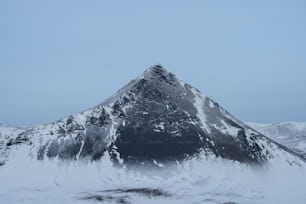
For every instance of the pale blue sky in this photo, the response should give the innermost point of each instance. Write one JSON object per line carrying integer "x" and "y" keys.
{"x": 59, "y": 57}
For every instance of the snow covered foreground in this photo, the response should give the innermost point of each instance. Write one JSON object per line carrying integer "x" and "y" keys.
{"x": 198, "y": 180}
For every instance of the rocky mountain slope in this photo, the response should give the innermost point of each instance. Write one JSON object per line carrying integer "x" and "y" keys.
{"x": 291, "y": 134}
{"x": 154, "y": 118}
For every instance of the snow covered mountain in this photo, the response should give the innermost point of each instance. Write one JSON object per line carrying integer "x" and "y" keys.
{"x": 154, "y": 118}
{"x": 291, "y": 134}
{"x": 7, "y": 135}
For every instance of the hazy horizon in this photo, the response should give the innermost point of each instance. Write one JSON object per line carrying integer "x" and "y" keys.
{"x": 58, "y": 58}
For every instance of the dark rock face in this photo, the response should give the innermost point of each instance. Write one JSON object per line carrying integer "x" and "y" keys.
{"x": 143, "y": 143}
{"x": 162, "y": 122}
{"x": 154, "y": 117}
{"x": 163, "y": 125}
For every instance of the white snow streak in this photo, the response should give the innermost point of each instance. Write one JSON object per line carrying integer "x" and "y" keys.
{"x": 199, "y": 105}
{"x": 114, "y": 124}
{"x": 81, "y": 149}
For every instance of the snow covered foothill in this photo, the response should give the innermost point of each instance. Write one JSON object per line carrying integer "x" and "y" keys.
{"x": 291, "y": 134}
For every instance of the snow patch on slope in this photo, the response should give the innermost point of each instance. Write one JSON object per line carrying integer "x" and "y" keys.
{"x": 230, "y": 130}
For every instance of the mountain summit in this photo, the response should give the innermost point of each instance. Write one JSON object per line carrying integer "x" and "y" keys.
{"x": 155, "y": 117}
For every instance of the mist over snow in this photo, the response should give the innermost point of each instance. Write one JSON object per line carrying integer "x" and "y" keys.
{"x": 198, "y": 180}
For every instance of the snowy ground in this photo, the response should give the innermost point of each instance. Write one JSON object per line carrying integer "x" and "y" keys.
{"x": 199, "y": 180}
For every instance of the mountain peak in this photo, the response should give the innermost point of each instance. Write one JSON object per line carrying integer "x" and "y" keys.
{"x": 156, "y": 70}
